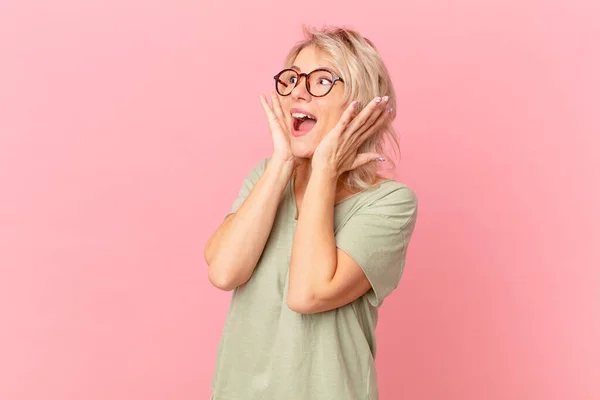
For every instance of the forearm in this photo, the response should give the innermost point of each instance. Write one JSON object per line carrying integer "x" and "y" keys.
{"x": 314, "y": 253}
{"x": 234, "y": 249}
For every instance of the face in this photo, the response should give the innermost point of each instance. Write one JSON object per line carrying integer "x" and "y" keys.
{"x": 305, "y": 136}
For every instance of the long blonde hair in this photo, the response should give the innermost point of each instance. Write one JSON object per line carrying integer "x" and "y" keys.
{"x": 365, "y": 77}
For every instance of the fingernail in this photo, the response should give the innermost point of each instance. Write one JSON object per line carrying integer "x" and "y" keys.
{"x": 355, "y": 104}
{"x": 380, "y": 159}
{"x": 390, "y": 110}
{"x": 386, "y": 98}
{"x": 378, "y": 100}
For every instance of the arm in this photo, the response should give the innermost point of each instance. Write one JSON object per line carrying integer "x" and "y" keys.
{"x": 367, "y": 252}
{"x": 322, "y": 277}
{"x": 233, "y": 250}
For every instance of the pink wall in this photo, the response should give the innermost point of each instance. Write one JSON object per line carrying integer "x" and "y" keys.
{"x": 127, "y": 126}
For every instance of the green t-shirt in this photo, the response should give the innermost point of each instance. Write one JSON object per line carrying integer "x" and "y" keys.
{"x": 269, "y": 352}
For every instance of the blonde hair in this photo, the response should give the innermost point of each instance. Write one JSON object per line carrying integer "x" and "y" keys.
{"x": 365, "y": 77}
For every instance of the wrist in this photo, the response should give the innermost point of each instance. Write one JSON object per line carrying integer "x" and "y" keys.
{"x": 324, "y": 165}
{"x": 325, "y": 172}
{"x": 323, "y": 185}
{"x": 281, "y": 167}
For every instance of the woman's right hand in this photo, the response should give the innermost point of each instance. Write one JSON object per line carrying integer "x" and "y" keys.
{"x": 279, "y": 131}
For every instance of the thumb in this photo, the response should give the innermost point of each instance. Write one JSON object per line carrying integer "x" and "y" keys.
{"x": 364, "y": 158}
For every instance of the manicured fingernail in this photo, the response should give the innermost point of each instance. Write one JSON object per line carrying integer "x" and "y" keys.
{"x": 386, "y": 98}
{"x": 380, "y": 159}
{"x": 378, "y": 100}
{"x": 390, "y": 110}
{"x": 355, "y": 104}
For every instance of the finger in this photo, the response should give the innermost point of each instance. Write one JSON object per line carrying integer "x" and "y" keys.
{"x": 369, "y": 115}
{"x": 365, "y": 158}
{"x": 367, "y": 131}
{"x": 267, "y": 109}
{"x": 277, "y": 107}
{"x": 346, "y": 118}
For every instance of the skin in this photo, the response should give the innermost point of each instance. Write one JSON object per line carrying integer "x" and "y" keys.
{"x": 321, "y": 277}
{"x": 299, "y": 151}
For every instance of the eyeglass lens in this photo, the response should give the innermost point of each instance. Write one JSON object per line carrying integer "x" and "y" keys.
{"x": 319, "y": 82}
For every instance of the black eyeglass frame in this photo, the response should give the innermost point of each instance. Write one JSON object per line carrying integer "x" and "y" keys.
{"x": 306, "y": 80}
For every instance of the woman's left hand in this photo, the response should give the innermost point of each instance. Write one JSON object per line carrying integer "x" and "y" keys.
{"x": 338, "y": 150}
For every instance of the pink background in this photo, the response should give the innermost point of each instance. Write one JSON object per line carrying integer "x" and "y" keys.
{"x": 126, "y": 128}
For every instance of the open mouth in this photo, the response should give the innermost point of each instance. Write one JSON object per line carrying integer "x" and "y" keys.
{"x": 302, "y": 123}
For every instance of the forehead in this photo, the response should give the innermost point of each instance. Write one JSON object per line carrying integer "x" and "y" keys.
{"x": 310, "y": 58}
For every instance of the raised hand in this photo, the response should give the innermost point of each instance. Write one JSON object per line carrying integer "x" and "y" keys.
{"x": 338, "y": 151}
{"x": 279, "y": 130}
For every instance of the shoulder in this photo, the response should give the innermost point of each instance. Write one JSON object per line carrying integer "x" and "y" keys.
{"x": 391, "y": 192}
{"x": 392, "y": 200}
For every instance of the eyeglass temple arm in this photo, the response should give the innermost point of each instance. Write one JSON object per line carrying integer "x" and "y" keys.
{"x": 282, "y": 82}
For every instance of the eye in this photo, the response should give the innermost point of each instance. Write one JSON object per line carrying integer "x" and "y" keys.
{"x": 293, "y": 79}
{"x": 325, "y": 81}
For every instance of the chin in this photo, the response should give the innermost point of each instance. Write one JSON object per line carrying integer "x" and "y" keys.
{"x": 302, "y": 149}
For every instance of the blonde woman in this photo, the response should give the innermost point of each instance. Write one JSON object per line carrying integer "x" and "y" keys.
{"x": 316, "y": 239}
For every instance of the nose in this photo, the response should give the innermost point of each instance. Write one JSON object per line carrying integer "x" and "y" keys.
{"x": 300, "y": 92}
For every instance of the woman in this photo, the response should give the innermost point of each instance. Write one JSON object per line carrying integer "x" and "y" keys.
{"x": 316, "y": 238}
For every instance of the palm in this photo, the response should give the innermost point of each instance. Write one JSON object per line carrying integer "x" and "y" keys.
{"x": 279, "y": 131}
{"x": 339, "y": 149}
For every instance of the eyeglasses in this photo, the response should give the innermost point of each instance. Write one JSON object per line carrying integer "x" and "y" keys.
{"x": 318, "y": 82}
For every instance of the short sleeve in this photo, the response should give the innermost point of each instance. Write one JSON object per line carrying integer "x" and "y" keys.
{"x": 249, "y": 181}
{"x": 377, "y": 235}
